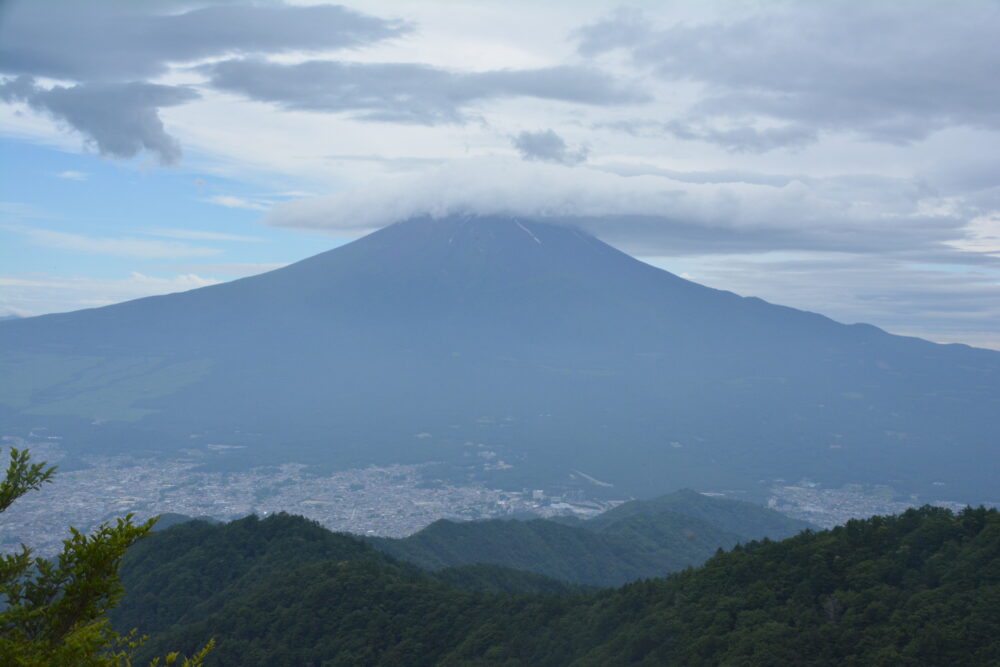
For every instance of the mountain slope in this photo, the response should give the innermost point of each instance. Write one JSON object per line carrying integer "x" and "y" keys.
{"x": 559, "y": 352}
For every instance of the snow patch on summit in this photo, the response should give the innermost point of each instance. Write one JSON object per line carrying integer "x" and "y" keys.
{"x": 528, "y": 232}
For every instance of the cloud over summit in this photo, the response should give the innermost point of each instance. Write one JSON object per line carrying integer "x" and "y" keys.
{"x": 651, "y": 213}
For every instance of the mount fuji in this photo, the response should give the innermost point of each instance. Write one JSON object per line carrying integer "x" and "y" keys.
{"x": 513, "y": 351}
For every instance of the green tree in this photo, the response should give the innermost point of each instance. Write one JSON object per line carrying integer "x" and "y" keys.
{"x": 53, "y": 611}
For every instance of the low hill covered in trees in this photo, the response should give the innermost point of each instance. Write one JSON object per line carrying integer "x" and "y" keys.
{"x": 636, "y": 540}
{"x": 922, "y": 587}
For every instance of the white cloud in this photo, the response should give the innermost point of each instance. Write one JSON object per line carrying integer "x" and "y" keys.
{"x": 982, "y": 234}
{"x": 38, "y": 293}
{"x": 227, "y": 269}
{"x": 238, "y": 202}
{"x": 7, "y": 312}
{"x": 71, "y": 175}
{"x": 122, "y": 247}
{"x": 200, "y": 235}
{"x": 11, "y": 211}
{"x": 292, "y": 193}
{"x": 779, "y": 74}
{"x": 647, "y": 213}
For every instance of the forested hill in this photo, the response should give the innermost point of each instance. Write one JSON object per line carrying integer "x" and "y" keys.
{"x": 921, "y": 588}
{"x": 748, "y": 520}
{"x": 650, "y": 547}
{"x": 191, "y": 569}
{"x": 636, "y": 540}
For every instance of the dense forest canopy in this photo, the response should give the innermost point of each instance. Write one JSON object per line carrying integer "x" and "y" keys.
{"x": 922, "y": 587}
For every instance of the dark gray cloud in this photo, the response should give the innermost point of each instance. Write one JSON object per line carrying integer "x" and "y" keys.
{"x": 547, "y": 146}
{"x": 124, "y": 41}
{"x": 120, "y": 119}
{"x": 745, "y": 138}
{"x": 888, "y": 71}
{"x": 407, "y": 92}
{"x": 741, "y": 138}
{"x": 624, "y": 29}
{"x": 111, "y": 47}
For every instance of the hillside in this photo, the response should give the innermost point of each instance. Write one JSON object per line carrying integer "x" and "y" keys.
{"x": 194, "y": 563}
{"x": 921, "y": 588}
{"x": 550, "y": 348}
{"x": 563, "y": 552}
{"x": 636, "y": 540}
{"x": 190, "y": 569}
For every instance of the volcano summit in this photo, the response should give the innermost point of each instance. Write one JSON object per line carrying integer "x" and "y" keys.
{"x": 572, "y": 362}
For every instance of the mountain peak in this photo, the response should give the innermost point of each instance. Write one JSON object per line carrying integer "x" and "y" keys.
{"x": 519, "y": 239}
{"x": 470, "y": 266}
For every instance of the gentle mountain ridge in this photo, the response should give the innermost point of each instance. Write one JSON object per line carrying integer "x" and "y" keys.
{"x": 750, "y": 521}
{"x": 636, "y": 540}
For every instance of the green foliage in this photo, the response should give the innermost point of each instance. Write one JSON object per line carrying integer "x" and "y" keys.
{"x": 498, "y": 579}
{"x": 192, "y": 568}
{"x": 920, "y": 588}
{"x": 22, "y": 476}
{"x": 194, "y": 661}
{"x": 54, "y": 611}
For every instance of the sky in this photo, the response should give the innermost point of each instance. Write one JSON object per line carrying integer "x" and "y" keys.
{"x": 839, "y": 157}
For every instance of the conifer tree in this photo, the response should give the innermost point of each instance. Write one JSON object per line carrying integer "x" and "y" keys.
{"x": 53, "y": 611}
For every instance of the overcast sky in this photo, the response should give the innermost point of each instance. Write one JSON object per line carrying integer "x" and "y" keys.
{"x": 841, "y": 157}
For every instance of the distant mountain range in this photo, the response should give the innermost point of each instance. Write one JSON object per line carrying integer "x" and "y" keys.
{"x": 920, "y": 588}
{"x": 573, "y": 364}
{"x": 636, "y": 540}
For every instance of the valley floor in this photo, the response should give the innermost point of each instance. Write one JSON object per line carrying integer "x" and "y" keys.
{"x": 392, "y": 501}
